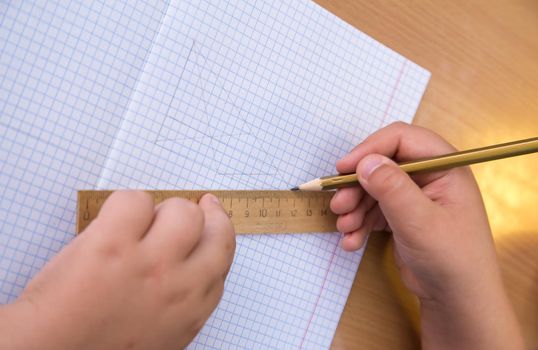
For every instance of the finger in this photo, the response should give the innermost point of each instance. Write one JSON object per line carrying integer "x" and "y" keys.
{"x": 214, "y": 253}
{"x": 404, "y": 205}
{"x": 402, "y": 142}
{"x": 356, "y": 239}
{"x": 353, "y": 240}
{"x": 353, "y": 220}
{"x": 176, "y": 229}
{"x": 346, "y": 199}
{"x": 125, "y": 216}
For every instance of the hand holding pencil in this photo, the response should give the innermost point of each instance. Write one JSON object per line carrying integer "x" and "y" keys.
{"x": 442, "y": 240}
{"x": 441, "y": 162}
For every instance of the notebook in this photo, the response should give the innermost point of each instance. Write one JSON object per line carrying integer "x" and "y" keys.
{"x": 193, "y": 95}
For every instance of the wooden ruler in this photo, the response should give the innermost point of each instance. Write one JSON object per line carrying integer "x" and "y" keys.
{"x": 250, "y": 211}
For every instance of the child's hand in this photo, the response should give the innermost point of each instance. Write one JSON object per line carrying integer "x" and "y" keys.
{"x": 139, "y": 277}
{"x": 442, "y": 240}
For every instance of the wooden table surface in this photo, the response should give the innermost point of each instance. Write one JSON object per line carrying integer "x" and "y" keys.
{"x": 483, "y": 57}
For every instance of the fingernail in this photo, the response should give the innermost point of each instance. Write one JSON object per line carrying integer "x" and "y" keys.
{"x": 212, "y": 198}
{"x": 368, "y": 165}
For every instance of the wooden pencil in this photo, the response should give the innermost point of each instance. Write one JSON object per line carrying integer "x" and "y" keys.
{"x": 443, "y": 162}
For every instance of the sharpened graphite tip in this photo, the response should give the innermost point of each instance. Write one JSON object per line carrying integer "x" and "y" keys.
{"x": 295, "y": 189}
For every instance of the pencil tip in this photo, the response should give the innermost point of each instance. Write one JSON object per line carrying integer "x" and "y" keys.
{"x": 295, "y": 189}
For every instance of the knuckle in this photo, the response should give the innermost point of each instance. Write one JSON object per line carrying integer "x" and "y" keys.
{"x": 341, "y": 224}
{"x": 398, "y": 125}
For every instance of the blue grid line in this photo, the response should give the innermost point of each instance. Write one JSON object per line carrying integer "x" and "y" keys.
{"x": 36, "y": 85}
{"x": 271, "y": 66}
{"x": 190, "y": 152}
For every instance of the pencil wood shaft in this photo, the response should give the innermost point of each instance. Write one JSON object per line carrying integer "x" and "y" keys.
{"x": 447, "y": 161}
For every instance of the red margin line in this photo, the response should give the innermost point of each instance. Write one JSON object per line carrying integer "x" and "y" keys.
{"x": 320, "y": 293}
{"x": 400, "y": 75}
{"x": 393, "y": 93}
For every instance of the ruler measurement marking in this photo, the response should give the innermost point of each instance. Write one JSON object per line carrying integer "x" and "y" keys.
{"x": 300, "y": 212}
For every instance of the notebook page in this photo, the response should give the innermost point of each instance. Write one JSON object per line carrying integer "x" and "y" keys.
{"x": 67, "y": 72}
{"x": 264, "y": 95}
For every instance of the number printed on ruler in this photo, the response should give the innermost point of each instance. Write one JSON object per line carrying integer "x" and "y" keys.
{"x": 250, "y": 211}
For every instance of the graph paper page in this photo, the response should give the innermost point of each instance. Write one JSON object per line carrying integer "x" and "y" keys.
{"x": 67, "y": 72}
{"x": 262, "y": 95}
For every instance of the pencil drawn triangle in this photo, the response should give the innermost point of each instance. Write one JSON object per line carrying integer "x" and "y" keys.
{"x": 213, "y": 118}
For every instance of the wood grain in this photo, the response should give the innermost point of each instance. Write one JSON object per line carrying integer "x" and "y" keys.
{"x": 259, "y": 212}
{"x": 483, "y": 57}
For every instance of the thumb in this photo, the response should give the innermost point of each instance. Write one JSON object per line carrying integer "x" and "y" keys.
{"x": 217, "y": 219}
{"x": 210, "y": 202}
{"x": 216, "y": 249}
{"x": 404, "y": 205}
{"x": 214, "y": 212}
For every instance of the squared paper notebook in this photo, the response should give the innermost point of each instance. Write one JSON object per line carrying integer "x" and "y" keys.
{"x": 193, "y": 95}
